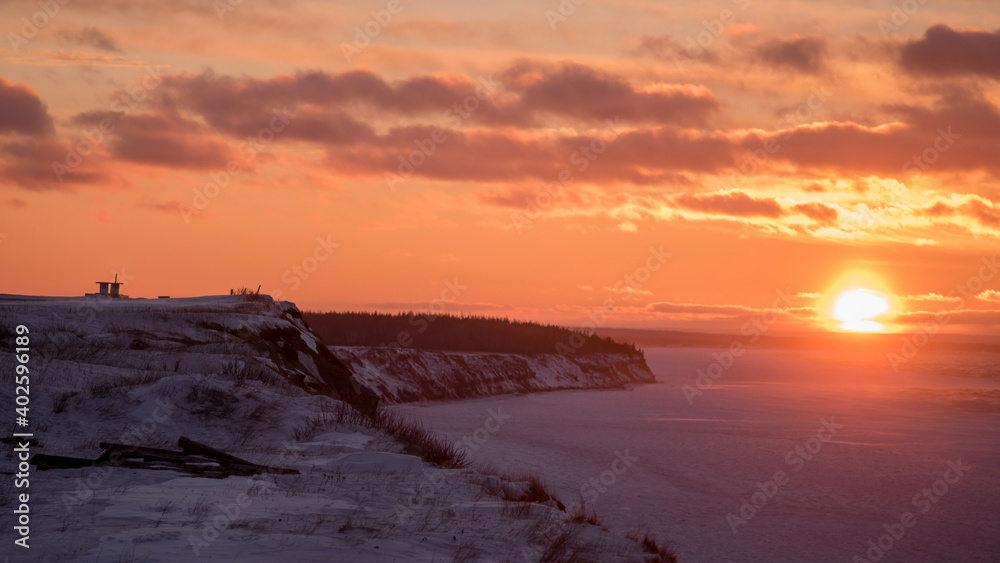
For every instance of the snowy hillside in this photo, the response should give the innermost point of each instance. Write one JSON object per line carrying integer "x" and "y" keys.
{"x": 246, "y": 376}
{"x": 406, "y": 375}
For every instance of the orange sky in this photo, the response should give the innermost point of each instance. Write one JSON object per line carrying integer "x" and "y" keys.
{"x": 542, "y": 160}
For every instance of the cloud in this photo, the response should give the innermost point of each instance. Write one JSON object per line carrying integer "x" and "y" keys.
{"x": 163, "y": 139}
{"x": 22, "y": 111}
{"x": 732, "y": 312}
{"x": 818, "y": 211}
{"x": 734, "y": 203}
{"x": 944, "y": 51}
{"x": 628, "y": 290}
{"x": 799, "y": 53}
{"x": 977, "y": 317}
{"x": 516, "y": 197}
{"x": 28, "y": 163}
{"x": 582, "y": 92}
{"x": 699, "y": 309}
{"x": 367, "y": 125}
{"x": 531, "y": 93}
{"x": 931, "y": 298}
{"x": 91, "y": 37}
{"x": 991, "y": 295}
{"x": 666, "y": 48}
{"x": 977, "y": 208}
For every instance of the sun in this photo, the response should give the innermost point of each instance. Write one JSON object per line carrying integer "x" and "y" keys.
{"x": 857, "y": 307}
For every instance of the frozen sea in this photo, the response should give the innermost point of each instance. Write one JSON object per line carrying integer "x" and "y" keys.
{"x": 853, "y": 461}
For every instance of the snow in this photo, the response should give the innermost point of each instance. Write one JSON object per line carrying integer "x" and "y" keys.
{"x": 697, "y": 460}
{"x": 146, "y": 372}
{"x": 365, "y": 462}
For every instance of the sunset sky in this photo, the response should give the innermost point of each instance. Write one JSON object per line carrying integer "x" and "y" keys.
{"x": 644, "y": 164}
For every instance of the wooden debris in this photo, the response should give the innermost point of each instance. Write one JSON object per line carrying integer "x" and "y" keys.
{"x": 195, "y": 458}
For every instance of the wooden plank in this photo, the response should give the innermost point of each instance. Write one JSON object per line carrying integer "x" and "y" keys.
{"x": 189, "y": 445}
{"x": 125, "y": 447}
{"x": 195, "y": 458}
{"x": 45, "y": 461}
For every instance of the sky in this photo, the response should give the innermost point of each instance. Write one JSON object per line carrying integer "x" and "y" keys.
{"x": 620, "y": 163}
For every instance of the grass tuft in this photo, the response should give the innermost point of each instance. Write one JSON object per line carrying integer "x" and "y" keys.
{"x": 419, "y": 441}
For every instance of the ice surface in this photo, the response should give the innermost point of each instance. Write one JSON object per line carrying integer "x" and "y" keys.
{"x": 697, "y": 460}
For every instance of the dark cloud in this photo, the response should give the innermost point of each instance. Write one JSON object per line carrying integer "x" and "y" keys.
{"x": 666, "y": 48}
{"x": 737, "y": 204}
{"x": 818, "y": 211}
{"x": 581, "y": 92}
{"x": 22, "y": 111}
{"x": 803, "y": 54}
{"x": 28, "y": 163}
{"x": 533, "y": 92}
{"x": 198, "y": 121}
{"x": 943, "y": 51}
{"x": 92, "y": 37}
{"x": 981, "y": 210}
{"x": 162, "y": 139}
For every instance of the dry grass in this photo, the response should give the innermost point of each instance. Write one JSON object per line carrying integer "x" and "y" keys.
{"x": 651, "y": 546}
{"x": 419, "y": 441}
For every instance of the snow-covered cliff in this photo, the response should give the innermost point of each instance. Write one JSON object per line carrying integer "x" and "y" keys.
{"x": 405, "y": 375}
{"x": 247, "y": 376}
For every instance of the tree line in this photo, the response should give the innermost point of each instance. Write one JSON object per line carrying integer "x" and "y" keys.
{"x": 473, "y": 333}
